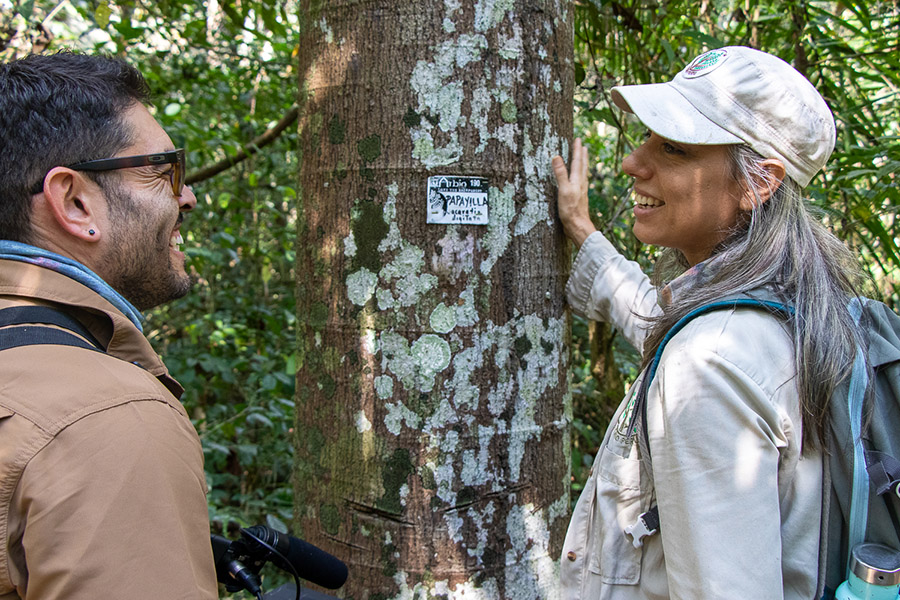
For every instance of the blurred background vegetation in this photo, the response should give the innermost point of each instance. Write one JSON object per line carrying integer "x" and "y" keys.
{"x": 223, "y": 75}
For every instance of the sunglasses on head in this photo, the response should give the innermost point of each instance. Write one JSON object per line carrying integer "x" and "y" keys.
{"x": 172, "y": 157}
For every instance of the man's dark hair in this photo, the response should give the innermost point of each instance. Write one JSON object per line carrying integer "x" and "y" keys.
{"x": 55, "y": 110}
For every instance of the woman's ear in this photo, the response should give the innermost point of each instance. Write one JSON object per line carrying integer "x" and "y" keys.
{"x": 763, "y": 187}
{"x": 73, "y": 202}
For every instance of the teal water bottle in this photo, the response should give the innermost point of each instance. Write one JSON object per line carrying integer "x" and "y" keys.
{"x": 874, "y": 574}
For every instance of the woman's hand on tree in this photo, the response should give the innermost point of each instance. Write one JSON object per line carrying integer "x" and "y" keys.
{"x": 572, "y": 197}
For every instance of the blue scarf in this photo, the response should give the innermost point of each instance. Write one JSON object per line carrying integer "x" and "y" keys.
{"x": 70, "y": 268}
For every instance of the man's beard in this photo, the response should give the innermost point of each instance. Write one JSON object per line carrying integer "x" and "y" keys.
{"x": 139, "y": 264}
{"x": 146, "y": 284}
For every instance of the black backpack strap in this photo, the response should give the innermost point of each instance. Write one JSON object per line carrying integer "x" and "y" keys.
{"x": 31, "y": 333}
{"x": 884, "y": 472}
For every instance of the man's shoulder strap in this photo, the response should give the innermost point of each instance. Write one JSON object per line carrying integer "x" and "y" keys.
{"x": 24, "y": 326}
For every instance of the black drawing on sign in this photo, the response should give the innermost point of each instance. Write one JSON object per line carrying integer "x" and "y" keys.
{"x": 438, "y": 199}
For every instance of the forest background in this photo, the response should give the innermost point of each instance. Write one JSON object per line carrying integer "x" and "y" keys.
{"x": 225, "y": 85}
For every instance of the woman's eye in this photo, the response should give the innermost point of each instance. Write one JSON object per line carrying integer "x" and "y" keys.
{"x": 670, "y": 149}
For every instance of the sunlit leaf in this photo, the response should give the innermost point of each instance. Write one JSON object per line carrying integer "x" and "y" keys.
{"x": 102, "y": 14}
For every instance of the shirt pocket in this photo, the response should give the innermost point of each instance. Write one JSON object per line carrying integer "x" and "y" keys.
{"x": 618, "y": 504}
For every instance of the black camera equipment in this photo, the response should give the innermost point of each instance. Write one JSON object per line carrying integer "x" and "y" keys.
{"x": 239, "y": 562}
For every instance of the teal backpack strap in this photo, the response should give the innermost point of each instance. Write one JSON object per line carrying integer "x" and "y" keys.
{"x": 648, "y": 523}
{"x": 640, "y": 402}
{"x": 859, "y": 499}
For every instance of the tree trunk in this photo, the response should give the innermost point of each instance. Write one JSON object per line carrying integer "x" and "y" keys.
{"x": 432, "y": 437}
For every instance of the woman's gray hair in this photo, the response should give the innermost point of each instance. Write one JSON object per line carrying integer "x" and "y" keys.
{"x": 780, "y": 245}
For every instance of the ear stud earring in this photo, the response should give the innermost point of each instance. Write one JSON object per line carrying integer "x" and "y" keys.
{"x": 91, "y": 232}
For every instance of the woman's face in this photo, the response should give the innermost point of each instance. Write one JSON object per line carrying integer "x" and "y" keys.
{"x": 685, "y": 195}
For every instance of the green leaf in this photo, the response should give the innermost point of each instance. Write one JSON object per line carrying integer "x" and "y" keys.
{"x": 102, "y": 14}
{"x": 579, "y": 73}
{"x": 704, "y": 38}
{"x": 127, "y": 30}
{"x": 26, "y": 9}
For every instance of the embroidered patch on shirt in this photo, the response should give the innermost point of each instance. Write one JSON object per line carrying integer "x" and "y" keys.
{"x": 620, "y": 433}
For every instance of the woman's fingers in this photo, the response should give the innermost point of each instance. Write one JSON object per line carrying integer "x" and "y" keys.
{"x": 578, "y": 174}
{"x": 572, "y": 198}
{"x": 559, "y": 169}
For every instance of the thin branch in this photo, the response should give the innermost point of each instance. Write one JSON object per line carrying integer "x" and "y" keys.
{"x": 53, "y": 12}
{"x": 249, "y": 149}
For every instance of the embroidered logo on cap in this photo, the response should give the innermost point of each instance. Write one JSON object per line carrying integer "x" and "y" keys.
{"x": 705, "y": 63}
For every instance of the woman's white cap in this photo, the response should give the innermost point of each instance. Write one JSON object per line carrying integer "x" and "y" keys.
{"x": 739, "y": 95}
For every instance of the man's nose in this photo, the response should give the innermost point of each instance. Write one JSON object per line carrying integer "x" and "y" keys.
{"x": 187, "y": 201}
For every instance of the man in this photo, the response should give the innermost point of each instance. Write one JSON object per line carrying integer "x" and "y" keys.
{"x": 102, "y": 491}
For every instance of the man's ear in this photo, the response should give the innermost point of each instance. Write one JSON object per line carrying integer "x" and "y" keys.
{"x": 763, "y": 187}
{"x": 74, "y": 202}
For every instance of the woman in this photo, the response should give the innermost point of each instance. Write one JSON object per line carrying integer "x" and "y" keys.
{"x": 736, "y": 412}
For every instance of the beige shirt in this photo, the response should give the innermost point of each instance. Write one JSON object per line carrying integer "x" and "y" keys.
{"x": 739, "y": 505}
{"x": 102, "y": 490}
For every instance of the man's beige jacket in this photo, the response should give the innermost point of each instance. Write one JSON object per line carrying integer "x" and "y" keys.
{"x": 102, "y": 491}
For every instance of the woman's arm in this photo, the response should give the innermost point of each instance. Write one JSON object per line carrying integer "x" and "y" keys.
{"x": 739, "y": 506}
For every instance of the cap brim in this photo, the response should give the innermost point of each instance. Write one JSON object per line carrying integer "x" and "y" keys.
{"x": 667, "y": 113}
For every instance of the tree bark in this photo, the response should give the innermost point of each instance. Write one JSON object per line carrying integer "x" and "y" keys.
{"x": 432, "y": 435}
